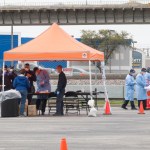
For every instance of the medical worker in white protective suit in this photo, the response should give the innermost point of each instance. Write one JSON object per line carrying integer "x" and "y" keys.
{"x": 140, "y": 87}
{"x": 147, "y": 76}
{"x": 129, "y": 95}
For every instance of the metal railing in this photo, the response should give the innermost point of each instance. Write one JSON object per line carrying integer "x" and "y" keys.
{"x": 6, "y": 3}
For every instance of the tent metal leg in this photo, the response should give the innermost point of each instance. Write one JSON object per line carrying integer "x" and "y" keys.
{"x": 104, "y": 80}
{"x": 95, "y": 72}
{"x": 90, "y": 75}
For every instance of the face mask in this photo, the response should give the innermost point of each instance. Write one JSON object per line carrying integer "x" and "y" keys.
{"x": 133, "y": 74}
{"x": 26, "y": 69}
{"x": 143, "y": 73}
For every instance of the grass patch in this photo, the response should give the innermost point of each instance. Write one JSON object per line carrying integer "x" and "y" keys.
{"x": 114, "y": 103}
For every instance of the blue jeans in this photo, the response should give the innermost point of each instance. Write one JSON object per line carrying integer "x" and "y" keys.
{"x": 23, "y": 100}
{"x": 60, "y": 103}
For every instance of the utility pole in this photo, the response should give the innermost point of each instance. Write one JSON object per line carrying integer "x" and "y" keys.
{"x": 131, "y": 1}
{"x": 86, "y": 2}
{"x": 133, "y": 42}
{"x": 12, "y": 41}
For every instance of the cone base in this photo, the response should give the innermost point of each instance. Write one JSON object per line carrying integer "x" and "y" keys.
{"x": 107, "y": 114}
{"x": 141, "y": 113}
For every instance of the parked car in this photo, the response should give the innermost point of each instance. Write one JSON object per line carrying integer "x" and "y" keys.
{"x": 74, "y": 71}
{"x": 49, "y": 70}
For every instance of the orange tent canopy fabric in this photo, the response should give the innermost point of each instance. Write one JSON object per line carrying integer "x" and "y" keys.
{"x": 53, "y": 44}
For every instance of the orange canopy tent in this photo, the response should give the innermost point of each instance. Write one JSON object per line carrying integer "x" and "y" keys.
{"x": 53, "y": 44}
{"x": 56, "y": 44}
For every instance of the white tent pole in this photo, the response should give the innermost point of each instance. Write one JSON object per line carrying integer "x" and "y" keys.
{"x": 104, "y": 80}
{"x": 3, "y": 76}
{"x": 95, "y": 72}
{"x": 90, "y": 75}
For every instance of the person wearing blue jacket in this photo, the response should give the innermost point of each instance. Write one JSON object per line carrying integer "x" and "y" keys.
{"x": 147, "y": 76}
{"x": 140, "y": 88}
{"x": 129, "y": 95}
{"x": 21, "y": 84}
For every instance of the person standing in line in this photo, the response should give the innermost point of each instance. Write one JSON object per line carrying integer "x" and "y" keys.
{"x": 147, "y": 76}
{"x": 21, "y": 84}
{"x": 129, "y": 95}
{"x": 7, "y": 79}
{"x": 140, "y": 88}
{"x": 32, "y": 78}
{"x": 43, "y": 86}
{"x": 13, "y": 75}
{"x": 60, "y": 91}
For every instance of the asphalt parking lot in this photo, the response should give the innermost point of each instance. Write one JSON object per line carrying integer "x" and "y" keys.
{"x": 123, "y": 130}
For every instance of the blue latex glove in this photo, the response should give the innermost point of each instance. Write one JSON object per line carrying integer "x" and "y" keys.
{"x": 57, "y": 92}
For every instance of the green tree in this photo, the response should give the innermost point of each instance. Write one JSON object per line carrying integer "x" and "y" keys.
{"x": 105, "y": 40}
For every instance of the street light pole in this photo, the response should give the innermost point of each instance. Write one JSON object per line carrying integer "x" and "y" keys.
{"x": 111, "y": 32}
{"x": 12, "y": 41}
{"x": 132, "y": 1}
{"x": 86, "y": 2}
{"x": 133, "y": 42}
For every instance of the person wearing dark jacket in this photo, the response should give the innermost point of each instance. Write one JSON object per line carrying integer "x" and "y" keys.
{"x": 60, "y": 91}
{"x": 21, "y": 84}
{"x": 32, "y": 78}
{"x": 7, "y": 79}
{"x": 13, "y": 74}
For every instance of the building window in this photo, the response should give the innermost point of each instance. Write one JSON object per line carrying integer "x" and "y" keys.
{"x": 117, "y": 56}
{"x": 122, "y": 56}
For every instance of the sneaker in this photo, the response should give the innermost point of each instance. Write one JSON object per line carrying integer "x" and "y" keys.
{"x": 134, "y": 108}
{"x": 124, "y": 108}
{"x": 56, "y": 114}
{"x": 25, "y": 114}
{"x": 22, "y": 115}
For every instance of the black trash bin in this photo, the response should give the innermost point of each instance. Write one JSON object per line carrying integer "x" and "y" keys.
{"x": 10, "y": 108}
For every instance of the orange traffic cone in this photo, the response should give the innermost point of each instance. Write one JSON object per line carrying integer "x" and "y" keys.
{"x": 148, "y": 103}
{"x": 141, "y": 109}
{"x": 63, "y": 144}
{"x": 107, "y": 108}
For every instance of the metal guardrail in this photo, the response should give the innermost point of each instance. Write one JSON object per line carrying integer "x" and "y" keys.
{"x": 4, "y": 3}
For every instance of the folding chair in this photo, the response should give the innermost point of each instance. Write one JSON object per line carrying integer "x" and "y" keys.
{"x": 84, "y": 104}
{"x": 52, "y": 102}
{"x": 71, "y": 102}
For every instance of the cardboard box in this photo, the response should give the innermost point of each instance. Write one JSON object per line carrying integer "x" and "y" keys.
{"x": 32, "y": 110}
